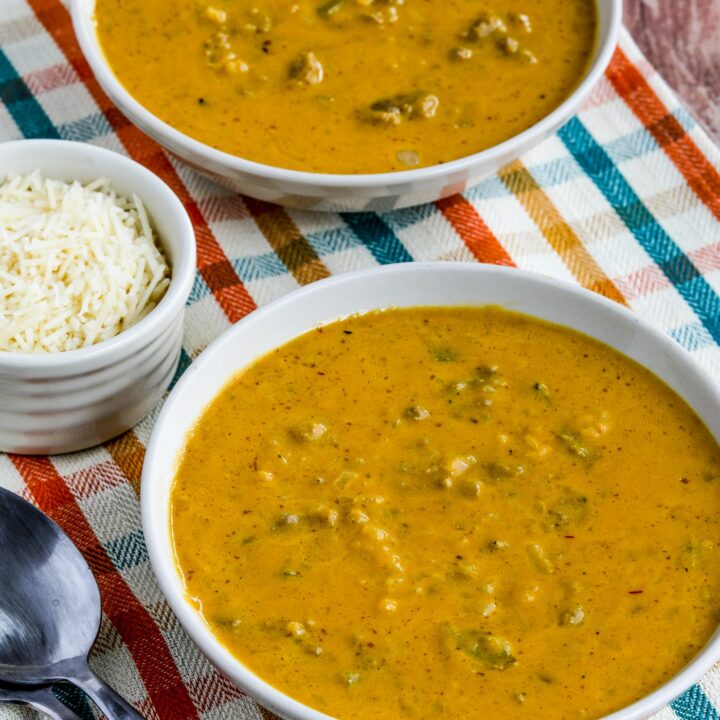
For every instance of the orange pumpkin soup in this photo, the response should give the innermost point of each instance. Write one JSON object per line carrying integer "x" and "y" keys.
{"x": 452, "y": 512}
{"x": 349, "y": 86}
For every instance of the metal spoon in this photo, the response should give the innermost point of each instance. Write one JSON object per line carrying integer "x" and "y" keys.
{"x": 49, "y": 607}
{"x": 40, "y": 698}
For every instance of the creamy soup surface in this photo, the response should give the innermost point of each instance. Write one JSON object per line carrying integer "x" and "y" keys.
{"x": 349, "y": 86}
{"x": 452, "y": 512}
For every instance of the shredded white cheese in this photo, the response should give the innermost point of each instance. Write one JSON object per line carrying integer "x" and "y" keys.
{"x": 78, "y": 264}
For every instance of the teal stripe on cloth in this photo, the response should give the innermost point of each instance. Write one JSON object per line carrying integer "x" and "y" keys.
{"x": 199, "y": 290}
{"x": 692, "y": 336}
{"x": 377, "y": 237}
{"x": 327, "y": 242}
{"x": 86, "y": 129}
{"x": 675, "y": 265}
{"x": 407, "y": 217}
{"x": 127, "y": 551}
{"x": 693, "y": 704}
{"x": 24, "y": 109}
{"x": 257, "y": 267}
{"x": 183, "y": 364}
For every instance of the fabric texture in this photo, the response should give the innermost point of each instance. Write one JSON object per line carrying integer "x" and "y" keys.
{"x": 624, "y": 200}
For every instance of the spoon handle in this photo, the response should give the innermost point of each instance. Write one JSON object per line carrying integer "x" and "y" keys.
{"x": 41, "y": 699}
{"x": 110, "y": 702}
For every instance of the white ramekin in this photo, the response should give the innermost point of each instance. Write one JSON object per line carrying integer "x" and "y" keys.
{"x": 405, "y": 285}
{"x": 60, "y": 402}
{"x": 318, "y": 191}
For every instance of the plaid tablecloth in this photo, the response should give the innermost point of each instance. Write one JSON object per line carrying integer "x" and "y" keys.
{"x": 624, "y": 200}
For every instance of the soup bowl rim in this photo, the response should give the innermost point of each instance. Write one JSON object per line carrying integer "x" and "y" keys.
{"x": 164, "y": 447}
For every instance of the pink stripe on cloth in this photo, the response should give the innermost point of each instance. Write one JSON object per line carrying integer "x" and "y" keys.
{"x": 50, "y": 78}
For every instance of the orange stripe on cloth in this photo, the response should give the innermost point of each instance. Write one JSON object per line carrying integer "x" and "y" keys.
{"x": 287, "y": 241}
{"x": 266, "y": 714}
{"x": 128, "y": 454}
{"x": 519, "y": 181}
{"x": 635, "y": 90}
{"x": 147, "y": 646}
{"x": 473, "y": 231}
{"x": 231, "y": 294}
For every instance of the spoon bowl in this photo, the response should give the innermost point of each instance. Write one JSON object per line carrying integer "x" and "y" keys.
{"x": 50, "y": 607}
{"x": 49, "y": 586}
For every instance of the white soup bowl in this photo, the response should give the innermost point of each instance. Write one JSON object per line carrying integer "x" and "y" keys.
{"x": 337, "y": 192}
{"x": 414, "y": 284}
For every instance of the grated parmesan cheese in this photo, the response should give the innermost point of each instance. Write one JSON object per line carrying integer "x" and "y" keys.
{"x": 78, "y": 264}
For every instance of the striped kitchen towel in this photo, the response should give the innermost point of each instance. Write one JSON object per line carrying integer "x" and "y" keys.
{"x": 624, "y": 200}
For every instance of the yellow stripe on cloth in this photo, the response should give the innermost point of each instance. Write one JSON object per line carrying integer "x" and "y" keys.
{"x": 561, "y": 237}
